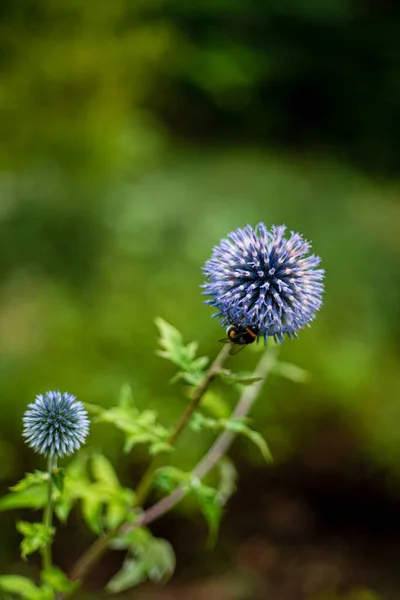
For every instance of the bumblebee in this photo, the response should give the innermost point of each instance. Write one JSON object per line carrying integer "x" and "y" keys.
{"x": 239, "y": 337}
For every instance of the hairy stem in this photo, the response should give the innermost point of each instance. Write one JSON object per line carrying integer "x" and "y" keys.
{"x": 48, "y": 512}
{"x": 216, "y": 452}
{"x": 144, "y": 485}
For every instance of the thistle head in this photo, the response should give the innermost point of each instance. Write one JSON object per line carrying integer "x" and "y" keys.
{"x": 262, "y": 279}
{"x": 55, "y": 424}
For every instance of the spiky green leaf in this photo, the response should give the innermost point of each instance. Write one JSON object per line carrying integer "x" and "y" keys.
{"x": 148, "y": 558}
{"x": 21, "y": 586}
{"x": 35, "y": 536}
{"x": 58, "y": 580}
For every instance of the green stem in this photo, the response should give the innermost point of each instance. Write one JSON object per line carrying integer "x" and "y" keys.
{"x": 48, "y": 512}
{"x": 86, "y": 562}
{"x": 97, "y": 549}
{"x": 218, "y": 449}
{"x": 145, "y": 483}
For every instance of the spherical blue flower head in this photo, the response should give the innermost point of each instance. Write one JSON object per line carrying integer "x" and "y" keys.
{"x": 261, "y": 279}
{"x": 55, "y": 424}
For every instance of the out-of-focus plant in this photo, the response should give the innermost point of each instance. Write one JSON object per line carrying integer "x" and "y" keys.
{"x": 263, "y": 285}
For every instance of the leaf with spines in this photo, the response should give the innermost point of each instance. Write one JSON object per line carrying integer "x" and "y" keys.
{"x": 138, "y": 427}
{"x": 191, "y": 367}
{"x": 24, "y": 588}
{"x": 35, "y": 536}
{"x": 58, "y": 580}
{"x": 148, "y": 558}
{"x": 92, "y": 481}
{"x": 30, "y": 492}
{"x": 30, "y": 479}
{"x": 168, "y": 478}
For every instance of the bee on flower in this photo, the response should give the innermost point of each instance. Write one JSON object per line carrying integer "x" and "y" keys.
{"x": 263, "y": 284}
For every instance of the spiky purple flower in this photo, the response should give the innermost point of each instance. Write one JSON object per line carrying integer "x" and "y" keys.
{"x": 261, "y": 279}
{"x": 55, "y": 424}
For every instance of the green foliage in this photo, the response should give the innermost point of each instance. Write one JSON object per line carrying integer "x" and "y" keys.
{"x": 191, "y": 367}
{"x": 138, "y": 427}
{"x": 30, "y": 492}
{"x": 58, "y": 478}
{"x": 58, "y": 581}
{"x": 243, "y": 378}
{"x": 199, "y": 422}
{"x": 53, "y": 581}
{"x": 214, "y": 403}
{"x": 208, "y": 498}
{"x": 24, "y": 588}
{"x": 148, "y": 558}
{"x": 35, "y": 536}
{"x": 92, "y": 481}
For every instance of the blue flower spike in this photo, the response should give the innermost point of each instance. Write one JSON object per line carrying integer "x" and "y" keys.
{"x": 261, "y": 279}
{"x": 55, "y": 424}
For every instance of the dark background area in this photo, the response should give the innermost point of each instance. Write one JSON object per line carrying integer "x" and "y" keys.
{"x": 133, "y": 136}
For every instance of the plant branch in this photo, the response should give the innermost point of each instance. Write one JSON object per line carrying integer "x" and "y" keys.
{"x": 215, "y": 453}
{"x": 218, "y": 449}
{"x": 97, "y": 549}
{"x": 144, "y": 485}
{"x": 48, "y": 512}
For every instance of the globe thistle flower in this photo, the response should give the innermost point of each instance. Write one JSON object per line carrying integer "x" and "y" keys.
{"x": 261, "y": 279}
{"x": 55, "y": 424}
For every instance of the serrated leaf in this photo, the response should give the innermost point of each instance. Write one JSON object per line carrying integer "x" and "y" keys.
{"x": 131, "y": 574}
{"x": 30, "y": 479}
{"x": 32, "y": 497}
{"x": 198, "y": 422}
{"x": 183, "y": 356}
{"x": 22, "y": 586}
{"x": 138, "y": 427}
{"x": 103, "y": 471}
{"x": 159, "y": 447}
{"x": 168, "y": 478}
{"x": 160, "y": 560}
{"x": 36, "y": 536}
{"x": 58, "y": 580}
{"x": 149, "y": 558}
{"x": 105, "y": 503}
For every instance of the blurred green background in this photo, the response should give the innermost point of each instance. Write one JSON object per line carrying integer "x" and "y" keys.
{"x": 133, "y": 136}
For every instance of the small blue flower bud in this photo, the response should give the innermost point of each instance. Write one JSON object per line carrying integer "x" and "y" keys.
{"x": 55, "y": 424}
